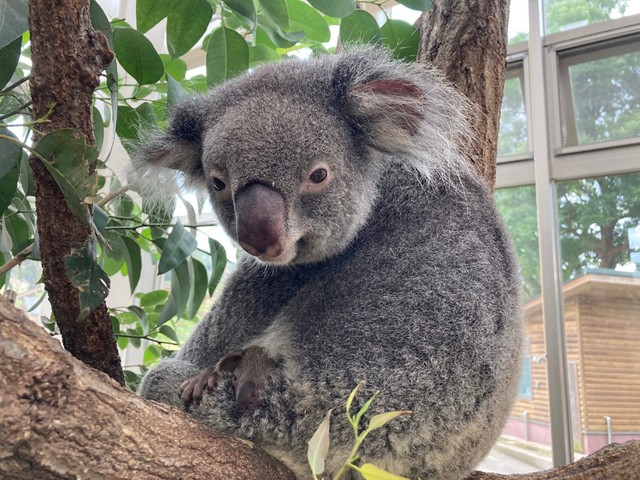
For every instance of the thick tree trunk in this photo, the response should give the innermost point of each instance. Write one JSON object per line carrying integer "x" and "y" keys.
{"x": 63, "y": 420}
{"x": 68, "y": 57}
{"x": 467, "y": 41}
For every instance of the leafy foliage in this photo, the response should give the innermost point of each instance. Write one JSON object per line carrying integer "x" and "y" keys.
{"x": 319, "y": 443}
{"x": 236, "y": 35}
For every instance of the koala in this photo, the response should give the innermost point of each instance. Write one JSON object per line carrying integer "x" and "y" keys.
{"x": 251, "y": 369}
{"x": 373, "y": 254}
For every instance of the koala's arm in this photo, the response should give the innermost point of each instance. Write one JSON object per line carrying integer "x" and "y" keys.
{"x": 162, "y": 383}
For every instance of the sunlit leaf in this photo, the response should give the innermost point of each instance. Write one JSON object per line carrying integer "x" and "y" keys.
{"x": 420, "y": 5}
{"x": 186, "y": 24}
{"x": 169, "y": 332}
{"x": 9, "y": 57}
{"x": 174, "y": 67}
{"x": 319, "y": 446}
{"x": 227, "y": 56}
{"x": 277, "y": 11}
{"x": 334, "y": 8}
{"x": 352, "y": 396}
{"x": 137, "y": 55}
{"x": 98, "y": 128}
{"x": 179, "y": 246}
{"x": 199, "y": 289}
{"x": 382, "y": 419}
{"x": 303, "y": 17}
{"x": 150, "y": 12}
{"x": 262, "y": 54}
{"x": 13, "y": 20}
{"x": 359, "y": 27}
{"x": 371, "y": 472}
{"x": 86, "y": 275}
{"x": 10, "y": 154}
{"x": 243, "y": 7}
{"x": 155, "y": 297}
{"x": 401, "y": 38}
{"x": 218, "y": 263}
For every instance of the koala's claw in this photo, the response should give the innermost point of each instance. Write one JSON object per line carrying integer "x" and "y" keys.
{"x": 191, "y": 390}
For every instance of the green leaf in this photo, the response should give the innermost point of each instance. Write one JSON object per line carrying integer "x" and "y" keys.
{"x": 133, "y": 260}
{"x": 420, "y": 5}
{"x": 86, "y": 275}
{"x": 141, "y": 315}
{"x": 227, "y": 56}
{"x": 98, "y": 128}
{"x": 13, "y": 20}
{"x": 359, "y": 27}
{"x": 382, "y": 419}
{"x": 174, "y": 67}
{"x": 303, "y": 17}
{"x": 179, "y": 296}
{"x": 218, "y": 263}
{"x": 365, "y": 407}
{"x": 199, "y": 288}
{"x": 371, "y": 472}
{"x": 261, "y": 54}
{"x": 9, "y": 57}
{"x": 179, "y": 246}
{"x": 352, "y": 396}
{"x": 150, "y": 12}
{"x": 100, "y": 22}
{"x": 174, "y": 92}
{"x": 26, "y": 176}
{"x": 334, "y": 8}
{"x": 169, "y": 332}
{"x": 243, "y": 7}
{"x": 10, "y": 154}
{"x": 186, "y": 24}
{"x": 100, "y": 218}
{"x": 153, "y": 298}
{"x": 133, "y": 120}
{"x": 67, "y": 158}
{"x": 319, "y": 446}
{"x": 401, "y": 38}
{"x": 277, "y": 11}
{"x": 137, "y": 55}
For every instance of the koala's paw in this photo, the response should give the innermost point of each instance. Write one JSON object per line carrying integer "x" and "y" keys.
{"x": 191, "y": 390}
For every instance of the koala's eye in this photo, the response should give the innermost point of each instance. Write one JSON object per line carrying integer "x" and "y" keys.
{"x": 235, "y": 379}
{"x": 318, "y": 176}
{"x": 218, "y": 185}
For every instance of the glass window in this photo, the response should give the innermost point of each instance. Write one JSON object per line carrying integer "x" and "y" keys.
{"x": 528, "y": 425}
{"x": 600, "y": 94}
{"x": 562, "y": 15}
{"x": 513, "y": 137}
{"x": 599, "y": 220}
{"x": 518, "y": 21}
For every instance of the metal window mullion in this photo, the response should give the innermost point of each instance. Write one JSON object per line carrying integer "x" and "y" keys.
{"x": 553, "y": 315}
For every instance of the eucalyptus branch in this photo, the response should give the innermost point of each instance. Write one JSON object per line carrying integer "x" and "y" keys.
{"x": 159, "y": 225}
{"x": 147, "y": 337}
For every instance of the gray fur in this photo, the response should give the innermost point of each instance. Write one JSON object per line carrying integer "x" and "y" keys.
{"x": 404, "y": 278}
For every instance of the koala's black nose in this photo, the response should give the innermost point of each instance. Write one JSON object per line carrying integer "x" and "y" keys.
{"x": 260, "y": 220}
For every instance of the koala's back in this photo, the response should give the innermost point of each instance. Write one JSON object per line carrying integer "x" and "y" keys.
{"x": 424, "y": 306}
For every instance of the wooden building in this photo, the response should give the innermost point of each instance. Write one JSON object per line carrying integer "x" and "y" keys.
{"x": 602, "y": 325}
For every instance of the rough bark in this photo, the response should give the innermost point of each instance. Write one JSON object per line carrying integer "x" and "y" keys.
{"x": 467, "y": 41}
{"x": 63, "y": 420}
{"x": 68, "y": 57}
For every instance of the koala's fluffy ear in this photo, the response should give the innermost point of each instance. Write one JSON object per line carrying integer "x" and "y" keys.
{"x": 180, "y": 147}
{"x": 390, "y": 112}
{"x": 230, "y": 361}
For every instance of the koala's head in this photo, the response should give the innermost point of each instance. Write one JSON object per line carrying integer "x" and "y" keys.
{"x": 251, "y": 370}
{"x": 293, "y": 154}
